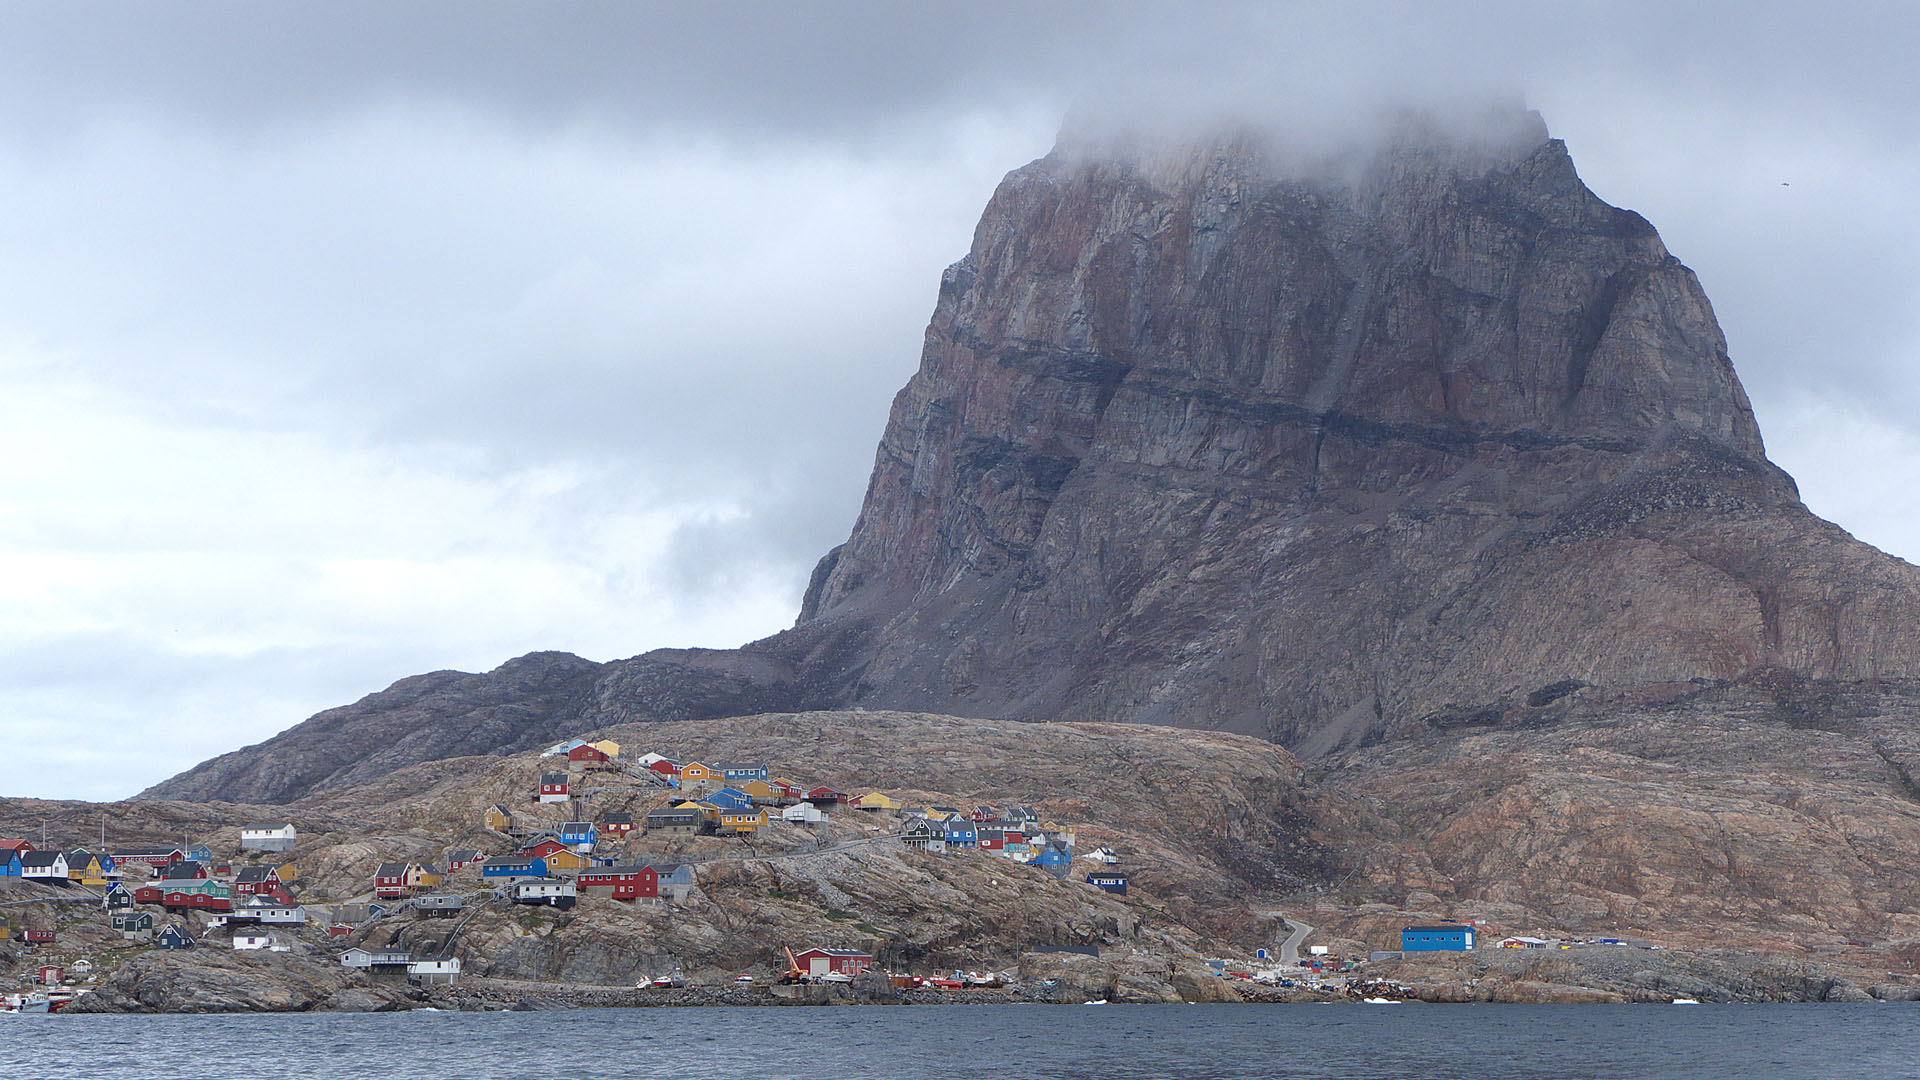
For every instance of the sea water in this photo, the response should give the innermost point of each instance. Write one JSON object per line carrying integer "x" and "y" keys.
{"x": 1115, "y": 1042}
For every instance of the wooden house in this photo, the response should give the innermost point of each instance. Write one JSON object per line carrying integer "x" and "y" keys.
{"x": 511, "y": 868}
{"x": 739, "y": 772}
{"x": 788, "y": 791}
{"x": 675, "y": 880}
{"x": 434, "y": 972}
{"x": 498, "y": 818}
{"x": 133, "y": 925}
{"x": 743, "y": 821}
{"x": 918, "y": 834}
{"x": 697, "y": 776}
{"x": 833, "y": 961}
{"x": 579, "y": 834}
{"x": 201, "y": 854}
{"x": 9, "y": 863}
{"x": 665, "y": 768}
{"x": 256, "y": 879}
{"x": 761, "y": 792}
{"x": 674, "y": 822}
{"x": 439, "y": 905}
{"x": 43, "y": 866}
{"x": 1055, "y": 859}
{"x": 552, "y": 892}
{"x": 1109, "y": 880}
{"x": 729, "y": 798}
{"x": 421, "y": 877}
{"x": 620, "y": 882}
{"x": 553, "y": 787}
{"x": 545, "y": 848}
{"x": 804, "y": 813}
{"x": 465, "y": 857}
{"x": 616, "y": 824}
{"x": 588, "y": 756}
{"x": 204, "y": 895}
{"x": 874, "y": 800}
{"x": 148, "y": 856}
{"x": 390, "y": 881}
{"x": 567, "y": 859}
{"x": 961, "y": 832}
{"x": 173, "y": 937}
{"x": 40, "y": 937}
{"x": 267, "y": 837}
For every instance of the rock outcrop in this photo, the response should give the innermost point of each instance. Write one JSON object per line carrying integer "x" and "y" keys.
{"x": 1329, "y": 447}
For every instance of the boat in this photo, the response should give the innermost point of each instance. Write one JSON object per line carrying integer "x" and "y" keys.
{"x": 1102, "y": 1001}
{"x": 1381, "y": 1001}
{"x": 1686, "y": 1001}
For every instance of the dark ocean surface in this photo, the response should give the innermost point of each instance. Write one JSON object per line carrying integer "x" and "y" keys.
{"x": 1114, "y": 1042}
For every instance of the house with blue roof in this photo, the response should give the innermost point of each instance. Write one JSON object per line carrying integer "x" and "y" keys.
{"x": 507, "y": 869}
{"x": 1449, "y": 938}
{"x": 728, "y": 798}
{"x": 1055, "y": 859}
{"x": 1109, "y": 881}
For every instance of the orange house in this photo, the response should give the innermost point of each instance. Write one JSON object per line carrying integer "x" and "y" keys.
{"x": 697, "y": 776}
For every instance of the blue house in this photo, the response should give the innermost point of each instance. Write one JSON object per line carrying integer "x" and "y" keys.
{"x": 9, "y": 863}
{"x": 514, "y": 867}
{"x": 1056, "y": 859}
{"x": 201, "y": 854}
{"x": 1109, "y": 881}
{"x": 1436, "y": 939}
{"x": 740, "y": 772}
{"x": 962, "y": 831}
{"x": 582, "y": 833}
{"x": 173, "y": 938}
{"x": 731, "y": 799}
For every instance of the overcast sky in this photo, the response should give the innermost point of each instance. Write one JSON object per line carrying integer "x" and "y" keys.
{"x": 343, "y": 342}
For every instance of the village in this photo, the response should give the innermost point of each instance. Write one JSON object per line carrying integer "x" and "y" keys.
{"x": 534, "y": 853}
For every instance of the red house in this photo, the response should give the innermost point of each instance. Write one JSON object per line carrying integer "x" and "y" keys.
{"x": 665, "y": 767}
{"x": 257, "y": 881}
{"x": 993, "y": 840}
{"x": 390, "y": 881}
{"x": 176, "y": 901}
{"x": 147, "y": 894}
{"x": 338, "y": 931}
{"x": 544, "y": 848}
{"x": 41, "y": 937}
{"x": 618, "y": 824}
{"x": 22, "y": 846}
{"x": 833, "y": 961}
{"x": 626, "y": 882}
{"x": 826, "y": 796}
{"x": 587, "y": 754}
{"x": 553, "y": 787}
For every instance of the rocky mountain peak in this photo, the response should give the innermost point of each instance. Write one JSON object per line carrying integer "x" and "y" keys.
{"x": 1333, "y": 440}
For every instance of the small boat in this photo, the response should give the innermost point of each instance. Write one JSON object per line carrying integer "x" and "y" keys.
{"x": 1381, "y": 1001}
{"x": 1686, "y": 1001}
{"x": 1102, "y": 1001}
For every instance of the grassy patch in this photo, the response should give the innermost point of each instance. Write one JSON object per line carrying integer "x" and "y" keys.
{"x": 835, "y": 914}
{"x": 782, "y": 894}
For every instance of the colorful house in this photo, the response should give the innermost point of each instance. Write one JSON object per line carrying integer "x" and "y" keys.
{"x": 203, "y": 895}
{"x": 962, "y": 832}
{"x": 1108, "y": 880}
{"x": 267, "y": 837}
{"x": 1055, "y": 859}
{"x": 739, "y": 772}
{"x": 509, "y": 868}
{"x": 665, "y": 768}
{"x": 762, "y": 792}
{"x": 553, "y": 787}
{"x": 544, "y": 849}
{"x": 697, "y": 776}
{"x": 919, "y": 835}
{"x": 568, "y": 859}
{"x": 589, "y": 756}
{"x": 390, "y": 881}
{"x": 172, "y": 937}
{"x": 1448, "y": 938}
{"x": 420, "y": 877}
{"x": 252, "y": 880}
{"x": 465, "y": 857}
{"x": 621, "y": 882}
{"x": 133, "y": 925}
{"x": 498, "y": 818}
{"x": 874, "y": 800}
{"x": 9, "y": 863}
{"x": 676, "y": 880}
{"x": 200, "y": 853}
{"x": 616, "y": 824}
{"x": 148, "y": 856}
{"x": 579, "y": 834}
{"x": 729, "y": 798}
{"x": 749, "y": 820}
{"x": 833, "y": 961}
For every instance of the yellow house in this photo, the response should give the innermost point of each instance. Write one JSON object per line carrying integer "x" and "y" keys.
{"x": 742, "y": 821}
{"x": 760, "y": 791}
{"x": 697, "y": 776}
{"x": 419, "y": 877}
{"x": 568, "y": 860}
{"x": 607, "y": 747}
{"x": 6, "y": 930}
{"x": 85, "y": 869}
{"x": 498, "y": 818}
{"x": 287, "y": 872}
{"x": 874, "y": 800}
{"x": 707, "y": 809}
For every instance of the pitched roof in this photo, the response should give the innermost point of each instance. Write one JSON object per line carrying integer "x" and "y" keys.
{"x": 391, "y": 869}
{"x": 552, "y": 778}
{"x": 182, "y": 871}
{"x": 616, "y": 819}
{"x": 41, "y": 858}
{"x": 250, "y": 875}
{"x": 740, "y": 766}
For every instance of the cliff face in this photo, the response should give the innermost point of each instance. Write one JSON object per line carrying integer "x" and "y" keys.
{"x": 1317, "y": 450}
{"x": 1327, "y": 448}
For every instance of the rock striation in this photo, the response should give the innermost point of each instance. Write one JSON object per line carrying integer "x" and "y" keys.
{"x": 1330, "y": 446}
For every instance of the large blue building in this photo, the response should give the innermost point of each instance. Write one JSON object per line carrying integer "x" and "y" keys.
{"x": 1436, "y": 939}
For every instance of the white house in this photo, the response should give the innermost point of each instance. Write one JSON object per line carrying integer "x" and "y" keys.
{"x": 46, "y": 865}
{"x": 803, "y": 812}
{"x": 278, "y": 914}
{"x": 361, "y": 958}
{"x": 267, "y": 837}
{"x": 557, "y": 891}
{"x": 435, "y": 972}
{"x": 247, "y": 940}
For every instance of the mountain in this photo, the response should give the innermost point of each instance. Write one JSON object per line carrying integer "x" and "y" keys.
{"x": 1338, "y": 446}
